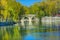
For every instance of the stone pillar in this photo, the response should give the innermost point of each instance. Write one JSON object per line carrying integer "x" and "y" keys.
{"x": 30, "y": 20}
{"x": 22, "y": 21}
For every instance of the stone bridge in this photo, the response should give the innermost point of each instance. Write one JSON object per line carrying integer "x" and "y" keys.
{"x": 29, "y": 18}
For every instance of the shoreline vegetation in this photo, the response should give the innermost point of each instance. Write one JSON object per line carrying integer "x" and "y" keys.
{"x": 10, "y": 11}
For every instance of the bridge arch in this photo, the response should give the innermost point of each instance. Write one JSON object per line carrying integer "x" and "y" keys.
{"x": 29, "y": 19}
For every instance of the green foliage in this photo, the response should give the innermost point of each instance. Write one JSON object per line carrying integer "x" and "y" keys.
{"x": 14, "y": 10}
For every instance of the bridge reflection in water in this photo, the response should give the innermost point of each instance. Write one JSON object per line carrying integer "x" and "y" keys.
{"x": 33, "y": 31}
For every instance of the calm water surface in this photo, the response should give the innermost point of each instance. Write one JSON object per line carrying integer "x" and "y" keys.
{"x": 34, "y": 31}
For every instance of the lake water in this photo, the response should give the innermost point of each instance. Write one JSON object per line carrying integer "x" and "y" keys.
{"x": 33, "y": 31}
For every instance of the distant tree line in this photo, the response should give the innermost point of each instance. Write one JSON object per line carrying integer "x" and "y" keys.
{"x": 11, "y": 9}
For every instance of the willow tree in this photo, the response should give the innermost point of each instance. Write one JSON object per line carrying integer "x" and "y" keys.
{"x": 4, "y": 6}
{"x": 15, "y": 6}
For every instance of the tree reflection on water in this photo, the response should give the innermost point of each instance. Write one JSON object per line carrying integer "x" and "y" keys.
{"x": 30, "y": 32}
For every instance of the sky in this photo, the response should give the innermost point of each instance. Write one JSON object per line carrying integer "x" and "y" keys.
{"x": 28, "y": 2}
